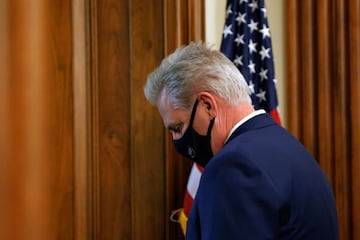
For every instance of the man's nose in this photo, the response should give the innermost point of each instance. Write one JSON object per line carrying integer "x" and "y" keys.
{"x": 176, "y": 136}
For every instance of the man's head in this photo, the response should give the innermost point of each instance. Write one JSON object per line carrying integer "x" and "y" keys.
{"x": 196, "y": 73}
{"x": 192, "y": 69}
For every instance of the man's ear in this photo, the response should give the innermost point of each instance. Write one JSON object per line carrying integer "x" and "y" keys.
{"x": 208, "y": 105}
{"x": 209, "y": 102}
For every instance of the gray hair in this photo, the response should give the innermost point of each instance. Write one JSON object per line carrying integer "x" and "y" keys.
{"x": 193, "y": 69}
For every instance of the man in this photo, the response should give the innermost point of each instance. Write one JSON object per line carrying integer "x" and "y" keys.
{"x": 259, "y": 182}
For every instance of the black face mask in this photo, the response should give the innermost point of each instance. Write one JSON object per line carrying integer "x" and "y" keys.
{"x": 194, "y": 146}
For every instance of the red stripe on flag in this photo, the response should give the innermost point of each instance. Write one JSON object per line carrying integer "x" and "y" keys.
{"x": 188, "y": 201}
{"x": 199, "y": 167}
{"x": 276, "y": 116}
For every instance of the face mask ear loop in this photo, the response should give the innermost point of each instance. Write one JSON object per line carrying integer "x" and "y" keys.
{"x": 210, "y": 127}
{"x": 193, "y": 113}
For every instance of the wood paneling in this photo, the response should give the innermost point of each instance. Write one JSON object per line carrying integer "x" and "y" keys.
{"x": 325, "y": 101}
{"x": 306, "y": 86}
{"x": 292, "y": 53}
{"x": 147, "y": 130}
{"x": 354, "y": 79}
{"x": 84, "y": 178}
{"x": 329, "y": 83}
{"x": 4, "y": 120}
{"x": 111, "y": 48}
{"x": 128, "y": 192}
{"x": 83, "y": 155}
{"x": 60, "y": 92}
{"x": 4, "y": 109}
{"x": 340, "y": 114}
{"x": 38, "y": 176}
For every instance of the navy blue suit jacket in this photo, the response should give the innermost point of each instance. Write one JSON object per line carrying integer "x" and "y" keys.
{"x": 263, "y": 184}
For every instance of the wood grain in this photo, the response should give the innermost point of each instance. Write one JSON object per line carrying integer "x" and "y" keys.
{"x": 38, "y": 190}
{"x": 147, "y": 131}
{"x": 342, "y": 158}
{"x": 308, "y": 101}
{"x": 323, "y": 74}
{"x": 114, "y": 123}
{"x": 293, "y": 72}
{"x": 84, "y": 185}
{"x": 354, "y": 85}
{"x": 330, "y": 70}
{"x": 83, "y": 155}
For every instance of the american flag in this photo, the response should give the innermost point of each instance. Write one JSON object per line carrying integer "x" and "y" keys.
{"x": 246, "y": 41}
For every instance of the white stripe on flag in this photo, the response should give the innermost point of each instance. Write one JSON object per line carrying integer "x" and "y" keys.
{"x": 194, "y": 180}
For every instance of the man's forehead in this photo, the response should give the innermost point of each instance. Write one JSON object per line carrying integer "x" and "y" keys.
{"x": 169, "y": 114}
{"x": 164, "y": 106}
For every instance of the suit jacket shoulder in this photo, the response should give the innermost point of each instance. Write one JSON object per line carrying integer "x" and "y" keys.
{"x": 263, "y": 184}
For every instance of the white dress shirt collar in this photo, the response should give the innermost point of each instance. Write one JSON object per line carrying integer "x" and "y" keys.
{"x": 251, "y": 115}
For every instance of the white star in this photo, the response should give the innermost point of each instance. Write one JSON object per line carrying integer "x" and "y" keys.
{"x": 239, "y": 39}
{"x": 252, "y": 46}
{"x": 275, "y": 81}
{"x": 238, "y": 60}
{"x": 253, "y": 26}
{"x": 264, "y": 11}
{"x": 251, "y": 86}
{"x": 261, "y": 95}
{"x": 228, "y": 31}
{"x": 264, "y": 53}
{"x": 263, "y": 73}
{"x": 242, "y": 1}
{"x": 265, "y": 31}
{"x": 252, "y": 67}
{"x": 228, "y": 11}
{"x": 241, "y": 18}
{"x": 254, "y": 5}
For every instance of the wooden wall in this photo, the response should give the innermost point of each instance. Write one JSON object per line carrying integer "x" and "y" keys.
{"x": 323, "y": 53}
{"x": 82, "y": 154}
{"x": 36, "y": 121}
